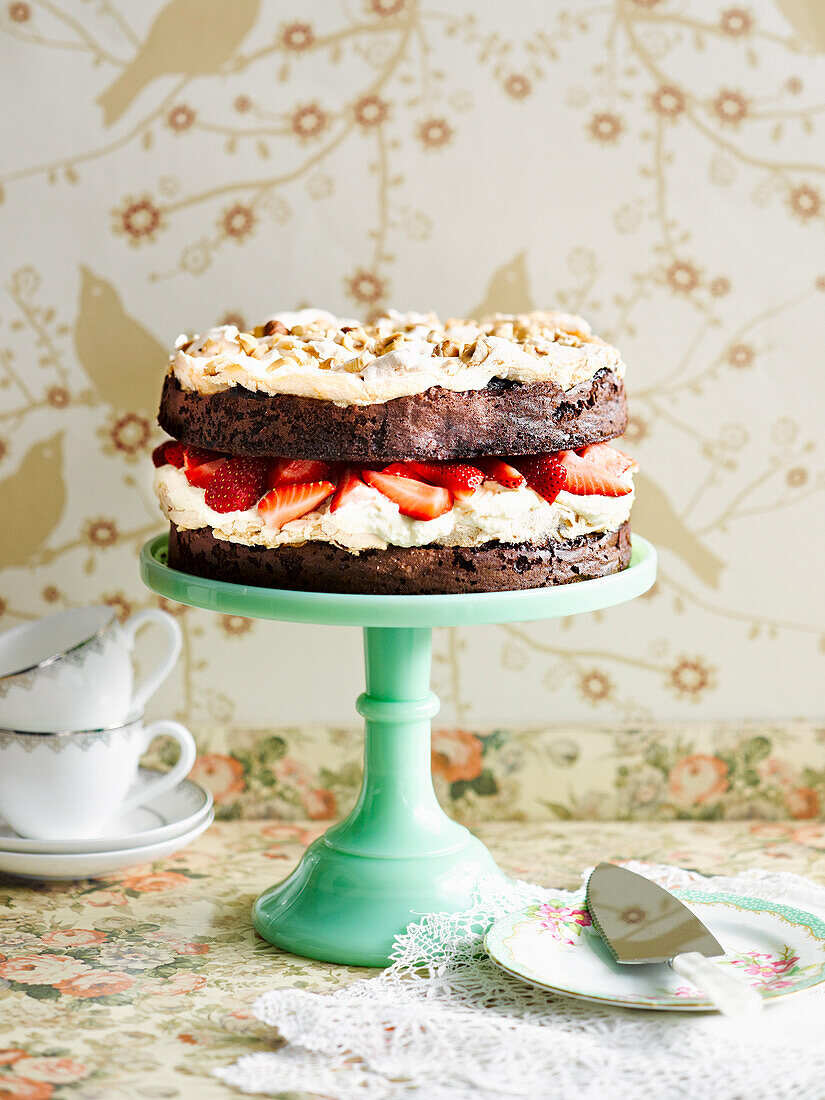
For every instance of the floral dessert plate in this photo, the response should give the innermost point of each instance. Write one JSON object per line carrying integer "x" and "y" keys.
{"x": 553, "y": 945}
{"x": 158, "y": 819}
{"x": 65, "y": 866}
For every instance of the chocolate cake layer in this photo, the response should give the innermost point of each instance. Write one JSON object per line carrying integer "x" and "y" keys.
{"x": 417, "y": 570}
{"x": 505, "y": 418}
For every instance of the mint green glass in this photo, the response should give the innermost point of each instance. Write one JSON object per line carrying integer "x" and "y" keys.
{"x": 397, "y": 855}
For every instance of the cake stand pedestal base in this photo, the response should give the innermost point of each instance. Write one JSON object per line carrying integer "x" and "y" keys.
{"x": 397, "y": 854}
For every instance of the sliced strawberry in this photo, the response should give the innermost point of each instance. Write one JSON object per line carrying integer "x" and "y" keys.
{"x": 414, "y": 498}
{"x": 298, "y": 471}
{"x": 499, "y": 471}
{"x": 169, "y": 453}
{"x": 460, "y": 478}
{"x": 348, "y": 481}
{"x": 596, "y": 471}
{"x": 608, "y": 457}
{"x": 197, "y": 456}
{"x": 200, "y": 466}
{"x": 237, "y": 485}
{"x": 544, "y": 473}
{"x": 401, "y": 469}
{"x": 288, "y": 502}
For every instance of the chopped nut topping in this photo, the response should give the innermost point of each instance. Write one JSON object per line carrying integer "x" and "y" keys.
{"x": 390, "y": 343}
{"x": 480, "y": 352}
{"x": 247, "y": 342}
{"x": 354, "y": 339}
{"x": 569, "y": 339}
{"x": 538, "y": 333}
{"x": 446, "y": 349}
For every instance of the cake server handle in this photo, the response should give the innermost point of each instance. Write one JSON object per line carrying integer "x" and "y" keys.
{"x": 732, "y": 995}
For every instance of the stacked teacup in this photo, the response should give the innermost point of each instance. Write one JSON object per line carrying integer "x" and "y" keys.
{"x": 74, "y": 801}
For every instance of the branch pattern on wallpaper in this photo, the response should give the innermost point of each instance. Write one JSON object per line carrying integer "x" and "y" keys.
{"x": 402, "y": 80}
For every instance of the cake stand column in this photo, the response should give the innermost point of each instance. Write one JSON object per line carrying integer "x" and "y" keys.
{"x": 397, "y": 855}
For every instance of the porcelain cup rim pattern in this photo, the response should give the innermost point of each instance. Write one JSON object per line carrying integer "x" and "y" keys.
{"x": 110, "y": 620}
{"x": 71, "y": 785}
{"x": 135, "y": 718}
{"x": 75, "y": 671}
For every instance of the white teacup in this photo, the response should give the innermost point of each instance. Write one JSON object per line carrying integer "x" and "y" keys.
{"x": 73, "y": 670}
{"x": 65, "y": 786}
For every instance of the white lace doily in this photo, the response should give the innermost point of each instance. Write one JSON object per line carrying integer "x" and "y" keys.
{"x": 443, "y": 1023}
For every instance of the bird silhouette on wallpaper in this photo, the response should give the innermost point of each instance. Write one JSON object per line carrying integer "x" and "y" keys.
{"x": 807, "y": 17}
{"x": 508, "y": 290}
{"x": 39, "y": 475}
{"x": 653, "y": 516}
{"x": 122, "y": 358}
{"x": 187, "y": 38}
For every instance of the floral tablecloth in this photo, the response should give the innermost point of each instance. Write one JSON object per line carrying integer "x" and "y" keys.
{"x": 140, "y": 984}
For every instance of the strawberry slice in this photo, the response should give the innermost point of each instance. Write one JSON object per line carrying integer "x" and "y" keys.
{"x": 596, "y": 471}
{"x": 200, "y": 466}
{"x": 288, "y": 502}
{"x": 169, "y": 453}
{"x": 414, "y": 498}
{"x": 610, "y": 458}
{"x": 544, "y": 474}
{"x": 460, "y": 478}
{"x": 237, "y": 484}
{"x": 298, "y": 471}
{"x": 349, "y": 479}
{"x": 401, "y": 469}
{"x": 499, "y": 471}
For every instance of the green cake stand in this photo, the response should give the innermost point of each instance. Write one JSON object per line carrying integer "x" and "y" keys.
{"x": 397, "y": 855}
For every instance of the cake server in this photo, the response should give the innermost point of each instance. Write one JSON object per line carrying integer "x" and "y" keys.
{"x": 642, "y": 923}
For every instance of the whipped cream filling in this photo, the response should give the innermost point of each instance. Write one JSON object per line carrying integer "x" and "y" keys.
{"x": 369, "y": 520}
{"x": 344, "y": 361}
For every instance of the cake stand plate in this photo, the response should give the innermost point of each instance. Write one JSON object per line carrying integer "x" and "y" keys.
{"x": 397, "y": 855}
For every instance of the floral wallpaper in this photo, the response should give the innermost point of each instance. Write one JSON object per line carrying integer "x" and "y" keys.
{"x": 655, "y": 165}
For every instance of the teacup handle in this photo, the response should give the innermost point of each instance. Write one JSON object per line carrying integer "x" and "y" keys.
{"x": 151, "y": 683}
{"x": 165, "y": 782}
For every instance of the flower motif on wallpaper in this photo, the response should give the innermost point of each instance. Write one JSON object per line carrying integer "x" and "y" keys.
{"x": 127, "y": 435}
{"x": 365, "y": 287}
{"x": 805, "y": 202}
{"x": 370, "y": 111}
{"x": 237, "y": 222}
{"x": 138, "y": 219}
{"x": 434, "y": 133}
{"x": 180, "y": 118}
{"x": 605, "y": 127}
{"x": 297, "y": 37}
{"x": 730, "y": 107}
{"x": 517, "y": 86}
{"x": 595, "y": 686}
{"x": 308, "y": 121}
{"x": 668, "y": 100}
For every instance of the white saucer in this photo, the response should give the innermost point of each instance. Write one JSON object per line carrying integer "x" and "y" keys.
{"x": 777, "y": 949}
{"x": 57, "y": 867}
{"x": 162, "y": 818}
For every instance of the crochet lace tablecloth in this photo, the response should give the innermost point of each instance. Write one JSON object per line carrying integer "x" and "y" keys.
{"x": 443, "y": 1023}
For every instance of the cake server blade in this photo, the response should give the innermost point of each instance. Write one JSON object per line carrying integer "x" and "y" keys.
{"x": 643, "y": 923}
